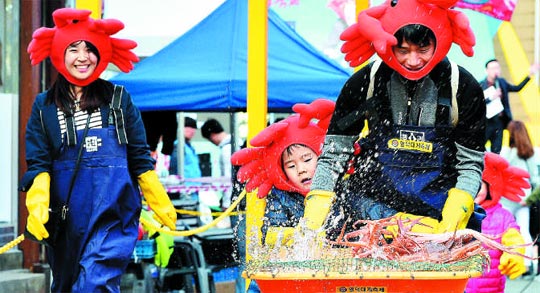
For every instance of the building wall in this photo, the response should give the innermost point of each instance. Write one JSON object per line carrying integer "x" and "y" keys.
{"x": 9, "y": 89}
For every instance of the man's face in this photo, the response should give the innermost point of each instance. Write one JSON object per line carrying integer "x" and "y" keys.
{"x": 493, "y": 70}
{"x": 413, "y": 57}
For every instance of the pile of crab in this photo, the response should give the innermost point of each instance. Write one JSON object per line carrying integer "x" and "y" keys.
{"x": 385, "y": 245}
{"x": 392, "y": 239}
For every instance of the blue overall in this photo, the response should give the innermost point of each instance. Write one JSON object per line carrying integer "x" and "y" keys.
{"x": 100, "y": 231}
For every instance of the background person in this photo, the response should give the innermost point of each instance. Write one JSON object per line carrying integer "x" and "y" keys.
{"x": 500, "y": 180}
{"x": 191, "y": 164}
{"x": 521, "y": 154}
{"x": 95, "y": 242}
{"x": 214, "y": 132}
{"x": 496, "y": 90}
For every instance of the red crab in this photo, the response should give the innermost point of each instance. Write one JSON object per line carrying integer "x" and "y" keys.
{"x": 374, "y": 32}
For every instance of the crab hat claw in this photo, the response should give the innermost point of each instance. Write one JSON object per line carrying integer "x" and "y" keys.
{"x": 503, "y": 179}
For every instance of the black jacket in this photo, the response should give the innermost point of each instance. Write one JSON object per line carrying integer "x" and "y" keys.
{"x": 506, "y": 87}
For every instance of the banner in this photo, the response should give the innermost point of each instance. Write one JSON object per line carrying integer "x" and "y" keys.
{"x": 499, "y": 9}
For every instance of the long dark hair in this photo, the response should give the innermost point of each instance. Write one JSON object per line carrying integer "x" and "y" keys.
{"x": 93, "y": 96}
{"x": 520, "y": 139}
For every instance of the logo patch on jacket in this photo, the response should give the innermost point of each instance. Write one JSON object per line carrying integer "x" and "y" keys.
{"x": 91, "y": 143}
{"x": 412, "y": 141}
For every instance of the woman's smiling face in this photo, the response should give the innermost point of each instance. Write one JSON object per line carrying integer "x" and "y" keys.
{"x": 80, "y": 60}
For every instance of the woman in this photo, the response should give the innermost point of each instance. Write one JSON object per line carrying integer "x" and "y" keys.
{"x": 521, "y": 154}
{"x": 85, "y": 146}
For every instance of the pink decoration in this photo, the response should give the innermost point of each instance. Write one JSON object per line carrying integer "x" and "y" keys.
{"x": 499, "y": 9}
{"x": 283, "y": 3}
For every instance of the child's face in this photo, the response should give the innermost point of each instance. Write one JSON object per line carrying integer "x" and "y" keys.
{"x": 299, "y": 165}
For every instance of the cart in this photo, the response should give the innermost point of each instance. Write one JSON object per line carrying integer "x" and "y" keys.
{"x": 395, "y": 282}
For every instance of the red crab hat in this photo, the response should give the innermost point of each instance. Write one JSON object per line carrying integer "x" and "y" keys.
{"x": 503, "y": 180}
{"x": 261, "y": 164}
{"x": 376, "y": 26}
{"x": 73, "y": 25}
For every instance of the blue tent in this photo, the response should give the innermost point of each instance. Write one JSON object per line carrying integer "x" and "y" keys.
{"x": 206, "y": 68}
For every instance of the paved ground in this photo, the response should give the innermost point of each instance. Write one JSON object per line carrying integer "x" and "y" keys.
{"x": 528, "y": 284}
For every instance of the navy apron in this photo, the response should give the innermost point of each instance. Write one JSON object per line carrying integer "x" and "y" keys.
{"x": 99, "y": 234}
{"x": 406, "y": 171}
{"x": 403, "y": 168}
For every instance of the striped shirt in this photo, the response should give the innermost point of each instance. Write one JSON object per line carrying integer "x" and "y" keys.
{"x": 80, "y": 120}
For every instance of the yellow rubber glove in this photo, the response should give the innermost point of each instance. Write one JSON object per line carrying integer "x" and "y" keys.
{"x": 158, "y": 199}
{"x": 37, "y": 202}
{"x": 317, "y": 206}
{"x": 456, "y": 212}
{"x": 420, "y": 224}
{"x": 165, "y": 248}
{"x": 284, "y": 234}
{"x": 512, "y": 265}
{"x": 164, "y": 242}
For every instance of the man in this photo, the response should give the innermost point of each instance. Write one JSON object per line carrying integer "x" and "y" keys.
{"x": 192, "y": 168}
{"x": 214, "y": 132}
{"x": 191, "y": 165}
{"x": 496, "y": 91}
{"x": 424, "y": 151}
{"x": 191, "y": 159}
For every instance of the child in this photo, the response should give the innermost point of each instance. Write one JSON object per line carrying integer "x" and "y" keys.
{"x": 500, "y": 179}
{"x": 286, "y": 152}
